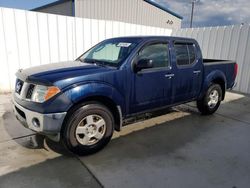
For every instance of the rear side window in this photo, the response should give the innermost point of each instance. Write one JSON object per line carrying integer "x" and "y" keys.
{"x": 158, "y": 52}
{"x": 185, "y": 53}
{"x": 181, "y": 51}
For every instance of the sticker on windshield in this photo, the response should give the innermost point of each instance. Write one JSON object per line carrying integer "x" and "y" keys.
{"x": 123, "y": 44}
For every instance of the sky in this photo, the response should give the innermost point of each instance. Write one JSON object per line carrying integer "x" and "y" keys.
{"x": 207, "y": 12}
{"x": 211, "y": 12}
{"x": 24, "y": 4}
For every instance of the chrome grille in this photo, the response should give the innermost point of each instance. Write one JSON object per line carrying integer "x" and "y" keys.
{"x": 30, "y": 91}
{"x": 19, "y": 86}
{"x": 24, "y": 90}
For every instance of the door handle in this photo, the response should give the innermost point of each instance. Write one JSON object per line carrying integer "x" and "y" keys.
{"x": 197, "y": 72}
{"x": 169, "y": 76}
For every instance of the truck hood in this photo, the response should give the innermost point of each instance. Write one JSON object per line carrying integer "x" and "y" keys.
{"x": 51, "y": 73}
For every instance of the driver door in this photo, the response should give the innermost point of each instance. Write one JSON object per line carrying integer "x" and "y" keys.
{"x": 151, "y": 88}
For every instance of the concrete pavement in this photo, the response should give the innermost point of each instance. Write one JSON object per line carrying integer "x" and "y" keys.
{"x": 30, "y": 160}
{"x": 179, "y": 149}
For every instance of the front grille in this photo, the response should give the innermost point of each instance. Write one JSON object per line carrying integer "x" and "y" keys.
{"x": 19, "y": 86}
{"x": 20, "y": 112}
{"x": 30, "y": 91}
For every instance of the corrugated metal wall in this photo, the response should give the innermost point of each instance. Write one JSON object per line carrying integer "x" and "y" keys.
{"x": 230, "y": 42}
{"x": 130, "y": 11}
{"x": 30, "y": 38}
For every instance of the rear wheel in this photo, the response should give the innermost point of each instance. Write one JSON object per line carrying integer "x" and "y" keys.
{"x": 88, "y": 129}
{"x": 210, "y": 102}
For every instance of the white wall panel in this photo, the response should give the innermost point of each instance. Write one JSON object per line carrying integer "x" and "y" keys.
{"x": 53, "y": 38}
{"x": 33, "y": 38}
{"x": 230, "y": 42}
{"x": 22, "y": 38}
{"x": 226, "y": 43}
{"x": 87, "y": 33}
{"x": 11, "y": 42}
{"x": 43, "y": 35}
{"x": 5, "y": 74}
{"x": 63, "y": 37}
{"x": 101, "y": 30}
{"x": 30, "y": 38}
{"x": 241, "y": 53}
{"x": 94, "y": 32}
{"x": 129, "y": 11}
{"x": 79, "y": 34}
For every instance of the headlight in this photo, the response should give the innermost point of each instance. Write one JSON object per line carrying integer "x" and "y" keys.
{"x": 44, "y": 93}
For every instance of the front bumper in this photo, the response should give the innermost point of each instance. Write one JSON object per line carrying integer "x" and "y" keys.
{"x": 48, "y": 124}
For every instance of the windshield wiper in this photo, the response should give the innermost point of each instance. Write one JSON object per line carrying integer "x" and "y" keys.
{"x": 94, "y": 61}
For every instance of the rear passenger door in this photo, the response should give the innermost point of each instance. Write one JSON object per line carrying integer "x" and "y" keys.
{"x": 188, "y": 78}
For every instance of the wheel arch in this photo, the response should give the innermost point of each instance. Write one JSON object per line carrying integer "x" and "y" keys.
{"x": 222, "y": 84}
{"x": 110, "y": 104}
{"x": 215, "y": 77}
{"x": 101, "y": 93}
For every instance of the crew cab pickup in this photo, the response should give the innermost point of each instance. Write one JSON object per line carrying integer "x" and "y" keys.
{"x": 82, "y": 102}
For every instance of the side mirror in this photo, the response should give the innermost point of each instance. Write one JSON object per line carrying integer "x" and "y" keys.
{"x": 143, "y": 64}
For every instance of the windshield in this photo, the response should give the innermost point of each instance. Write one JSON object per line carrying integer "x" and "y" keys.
{"x": 110, "y": 52}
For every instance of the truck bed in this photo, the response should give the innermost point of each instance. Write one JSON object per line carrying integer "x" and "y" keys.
{"x": 225, "y": 66}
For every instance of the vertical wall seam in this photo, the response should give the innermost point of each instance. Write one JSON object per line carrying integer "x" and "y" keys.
{"x": 72, "y": 38}
{"x": 75, "y": 53}
{"x": 58, "y": 44}
{"x": 6, "y": 51}
{"x": 209, "y": 33}
{"x": 222, "y": 41}
{"x": 98, "y": 36}
{"x": 39, "y": 43}
{"x": 91, "y": 40}
{"x": 216, "y": 35}
{"x": 48, "y": 37}
{"x": 83, "y": 34}
{"x": 67, "y": 42}
{"x": 248, "y": 68}
{"x": 105, "y": 27}
{"x": 236, "y": 57}
{"x": 237, "y": 49}
{"x": 17, "y": 45}
{"x": 244, "y": 57}
{"x": 203, "y": 36}
{"x": 231, "y": 46}
{"x": 230, "y": 41}
{"x": 28, "y": 38}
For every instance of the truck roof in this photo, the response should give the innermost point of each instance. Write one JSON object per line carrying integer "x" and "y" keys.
{"x": 153, "y": 37}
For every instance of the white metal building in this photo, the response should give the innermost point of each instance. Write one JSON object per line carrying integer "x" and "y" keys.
{"x": 61, "y": 7}
{"x": 143, "y": 12}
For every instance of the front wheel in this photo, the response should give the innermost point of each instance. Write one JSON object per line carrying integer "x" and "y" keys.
{"x": 210, "y": 102}
{"x": 88, "y": 129}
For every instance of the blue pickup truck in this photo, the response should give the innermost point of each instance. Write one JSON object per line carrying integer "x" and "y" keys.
{"x": 82, "y": 102}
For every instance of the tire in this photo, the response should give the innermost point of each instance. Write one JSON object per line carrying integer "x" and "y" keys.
{"x": 88, "y": 129}
{"x": 209, "y": 103}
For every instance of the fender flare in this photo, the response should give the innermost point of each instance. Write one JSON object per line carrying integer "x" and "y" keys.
{"x": 212, "y": 78}
{"x": 93, "y": 89}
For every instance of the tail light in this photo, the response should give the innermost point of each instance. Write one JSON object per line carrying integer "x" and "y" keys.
{"x": 235, "y": 70}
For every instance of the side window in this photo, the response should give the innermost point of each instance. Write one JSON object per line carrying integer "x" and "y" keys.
{"x": 185, "y": 53}
{"x": 181, "y": 51}
{"x": 157, "y": 52}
